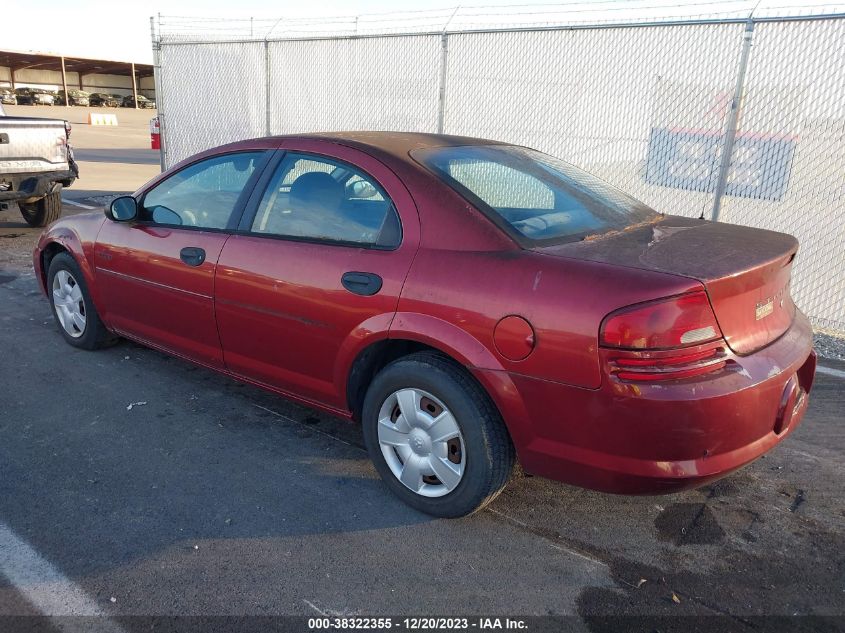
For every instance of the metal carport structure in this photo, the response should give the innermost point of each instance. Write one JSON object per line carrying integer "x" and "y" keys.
{"x": 17, "y": 61}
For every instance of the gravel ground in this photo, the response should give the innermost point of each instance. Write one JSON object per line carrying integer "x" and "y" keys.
{"x": 830, "y": 344}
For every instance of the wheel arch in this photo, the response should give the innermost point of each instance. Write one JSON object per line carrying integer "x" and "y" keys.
{"x": 48, "y": 252}
{"x": 58, "y": 239}
{"x": 372, "y": 359}
{"x": 411, "y": 333}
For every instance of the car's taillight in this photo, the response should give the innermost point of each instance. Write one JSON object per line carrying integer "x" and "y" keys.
{"x": 67, "y": 129}
{"x": 672, "y": 338}
{"x": 674, "y": 322}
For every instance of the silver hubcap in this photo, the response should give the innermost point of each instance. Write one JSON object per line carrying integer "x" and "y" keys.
{"x": 421, "y": 442}
{"x": 69, "y": 304}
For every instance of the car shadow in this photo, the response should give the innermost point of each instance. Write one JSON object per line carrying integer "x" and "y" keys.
{"x": 170, "y": 453}
{"x": 15, "y": 225}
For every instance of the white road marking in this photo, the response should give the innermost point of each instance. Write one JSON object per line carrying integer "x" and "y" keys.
{"x": 830, "y": 371}
{"x": 329, "y": 612}
{"x": 45, "y": 588}
{"x": 78, "y": 204}
{"x": 315, "y": 607}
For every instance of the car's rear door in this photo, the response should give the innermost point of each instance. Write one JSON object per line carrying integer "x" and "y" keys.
{"x": 155, "y": 276}
{"x": 318, "y": 263}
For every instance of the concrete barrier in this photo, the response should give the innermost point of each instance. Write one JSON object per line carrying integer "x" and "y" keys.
{"x": 101, "y": 119}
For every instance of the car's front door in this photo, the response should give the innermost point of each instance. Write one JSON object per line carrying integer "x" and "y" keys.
{"x": 155, "y": 276}
{"x": 320, "y": 259}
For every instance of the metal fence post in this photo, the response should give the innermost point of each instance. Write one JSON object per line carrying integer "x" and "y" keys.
{"x": 441, "y": 99}
{"x": 267, "y": 102}
{"x": 733, "y": 121}
{"x": 159, "y": 94}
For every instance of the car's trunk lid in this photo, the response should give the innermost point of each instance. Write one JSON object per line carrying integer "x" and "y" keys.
{"x": 745, "y": 270}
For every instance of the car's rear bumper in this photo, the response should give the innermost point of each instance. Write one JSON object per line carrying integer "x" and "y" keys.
{"x": 33, "y": 185}
{"x": 660, "y": 437}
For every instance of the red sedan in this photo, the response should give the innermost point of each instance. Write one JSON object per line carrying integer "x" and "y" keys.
{"x": 469, "y": 302}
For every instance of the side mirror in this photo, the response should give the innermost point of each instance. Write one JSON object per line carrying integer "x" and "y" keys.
{"x": 122, "y": 209}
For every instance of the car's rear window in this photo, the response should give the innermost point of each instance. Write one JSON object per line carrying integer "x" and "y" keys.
{"x": 535, "y": 197}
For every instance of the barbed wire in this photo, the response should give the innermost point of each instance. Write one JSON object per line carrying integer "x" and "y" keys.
{"x": 470, "y": 17}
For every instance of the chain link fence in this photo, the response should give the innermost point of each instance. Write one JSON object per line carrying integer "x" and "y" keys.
{"x": 739, "y": 118}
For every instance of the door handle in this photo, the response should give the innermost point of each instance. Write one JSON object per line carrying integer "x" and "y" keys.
{"x": 192, "y": 255}
{"x": 365, "y": 284}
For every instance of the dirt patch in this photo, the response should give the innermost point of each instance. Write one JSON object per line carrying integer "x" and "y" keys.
{"x": 743, "y": 593}
{"x": 689, "y": 524}
{"x": 16, "y": 241}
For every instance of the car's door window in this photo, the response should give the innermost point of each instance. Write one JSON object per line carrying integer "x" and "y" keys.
{"x": 316, "y": 198}
{"x": 202, "y": 195}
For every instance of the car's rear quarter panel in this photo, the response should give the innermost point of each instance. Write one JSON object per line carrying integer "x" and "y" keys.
{"x": 564, "y": 301}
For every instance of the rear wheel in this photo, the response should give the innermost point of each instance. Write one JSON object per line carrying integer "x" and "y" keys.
{"x": 434, "y": 436}
{"x": 43, "y": 212}
{"x": 73, "y": 308}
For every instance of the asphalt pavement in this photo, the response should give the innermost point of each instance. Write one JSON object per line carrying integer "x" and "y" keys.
{"x": 153, "y": 487}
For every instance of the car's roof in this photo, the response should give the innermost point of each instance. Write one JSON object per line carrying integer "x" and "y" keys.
{"x": 397, "y": 144}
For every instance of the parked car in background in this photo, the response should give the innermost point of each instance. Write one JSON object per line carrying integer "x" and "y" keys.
{"x": 102, "y": 99}
{"x": 7, "y": 96}
{"x": 74, "y": 98}
{"x": 469, "y": 302}
{"x": 143, "y": 102}
{"x": 36, "y": 161}
{"x": 35, "y": 96}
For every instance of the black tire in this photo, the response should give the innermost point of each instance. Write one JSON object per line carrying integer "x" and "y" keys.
{"x": 45, "y": 211}
{"x": 490, "y": 455}
{"x": 95, "y": 335}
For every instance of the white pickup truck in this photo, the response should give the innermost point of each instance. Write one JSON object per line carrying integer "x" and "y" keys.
{"x": 36, "y": 161}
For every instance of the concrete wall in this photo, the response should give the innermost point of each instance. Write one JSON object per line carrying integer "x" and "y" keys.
{"x": 52, "y": 80}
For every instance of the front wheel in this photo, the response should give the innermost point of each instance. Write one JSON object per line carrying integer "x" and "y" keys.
{"x": 72, "y": 305}
{"x": 435, "y": 437}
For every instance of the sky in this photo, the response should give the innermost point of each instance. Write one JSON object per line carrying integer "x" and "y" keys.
{"x": 121, "y": 30}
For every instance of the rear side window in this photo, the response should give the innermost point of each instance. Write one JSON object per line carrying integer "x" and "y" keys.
{"x": 501, "y": 186}
{"x": 319, "y": 199}
{"x": 536, "y": 198}
{"x": 202, "y": 195}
